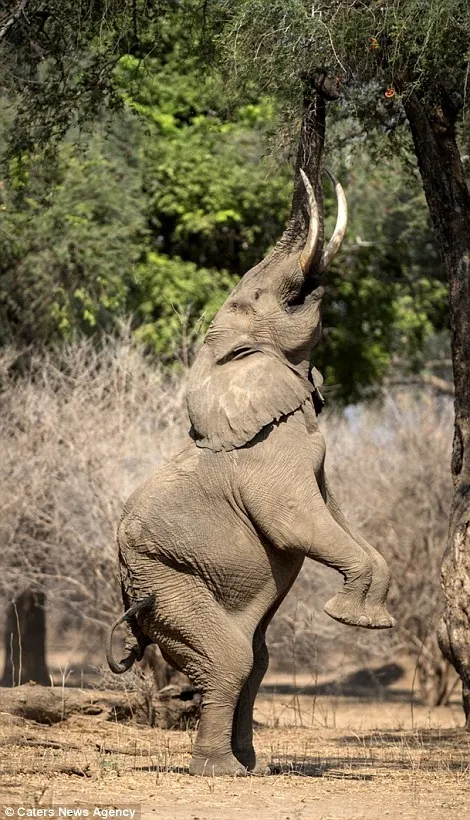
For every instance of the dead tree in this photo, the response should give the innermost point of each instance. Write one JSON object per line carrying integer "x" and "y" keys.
{"x": 25, "y": 640}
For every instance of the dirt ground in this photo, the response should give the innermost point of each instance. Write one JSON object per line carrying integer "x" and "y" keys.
{"x": 337, "y": 757}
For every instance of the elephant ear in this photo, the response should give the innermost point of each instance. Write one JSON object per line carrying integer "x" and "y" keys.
{"x": 231, "y": 398}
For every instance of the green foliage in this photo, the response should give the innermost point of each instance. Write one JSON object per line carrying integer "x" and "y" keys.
{"x": 408, "y": 44}
{"x": 215, "y": 199}
{"x": 65, "y": 243}
{"x": 173, "y": 301}
{"x": 149, "y": 221}
{"x": 385, "y": 296}
{"x": 57, "y": 61}
{"x": 214, "y": 202}
{"x": 156, "y": 215}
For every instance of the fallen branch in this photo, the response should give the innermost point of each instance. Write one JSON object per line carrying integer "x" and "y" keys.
{"x": 114, "y": 750}
{"x": 72, "y": 770}
{"x": 171, "y": 707}
{"x": 43, "y": 744}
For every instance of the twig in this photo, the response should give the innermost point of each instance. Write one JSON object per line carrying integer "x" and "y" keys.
{"x": 112, "y": 750}
{"x": 48, "y": 769}
{"x": 45, "y": 744}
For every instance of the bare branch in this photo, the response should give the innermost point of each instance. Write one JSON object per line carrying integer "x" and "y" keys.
{"x": 423, "y": 380}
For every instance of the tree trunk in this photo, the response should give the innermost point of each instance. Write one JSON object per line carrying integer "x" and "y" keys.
{"x": 434, "y": 137}
{"x": 25, "y": 640}
{"x": 435, "y": 684}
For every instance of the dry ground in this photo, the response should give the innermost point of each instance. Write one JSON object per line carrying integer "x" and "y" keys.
{"x": 337, "y": 757}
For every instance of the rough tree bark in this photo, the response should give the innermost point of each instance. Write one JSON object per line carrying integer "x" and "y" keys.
{"x": 434, "y": 136}
{"x": 25, "y": 640}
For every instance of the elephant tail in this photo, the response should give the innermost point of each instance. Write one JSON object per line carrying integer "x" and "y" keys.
{"x": 135, "y": 651}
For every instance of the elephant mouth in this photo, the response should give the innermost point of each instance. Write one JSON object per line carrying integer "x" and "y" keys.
{"x": 308, "y": 293}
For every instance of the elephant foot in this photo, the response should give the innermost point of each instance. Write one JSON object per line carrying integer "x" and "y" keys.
{"x": 255, "y": 764}
{"x": 379, "y": 616}
{"x": 346, "y": 609}
{"x": 217, "y": 766}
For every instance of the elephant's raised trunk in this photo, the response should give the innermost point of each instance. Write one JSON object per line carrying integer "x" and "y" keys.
{"x": 306, "y": 219}
{"x": 308, "y": 164}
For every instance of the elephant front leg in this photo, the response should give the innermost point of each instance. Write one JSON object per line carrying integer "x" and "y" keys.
{"x": 290, "y": 511}
{"x": 377, "y": 593}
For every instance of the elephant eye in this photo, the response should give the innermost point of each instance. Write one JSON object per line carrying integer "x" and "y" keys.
{"x": 257, "y": 294}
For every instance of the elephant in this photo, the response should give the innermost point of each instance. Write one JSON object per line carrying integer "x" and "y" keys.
{"x": 211, "y": 543}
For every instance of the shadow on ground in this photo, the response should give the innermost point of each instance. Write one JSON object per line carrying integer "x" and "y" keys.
{"x": 365, "y": 683}
{"x": 352, "y": 766}
{"x": 380, "y": 752}
{"x": 456, "y": 738}
{"x": 307, "y": 768}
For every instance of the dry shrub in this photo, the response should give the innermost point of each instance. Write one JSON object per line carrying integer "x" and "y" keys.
{"x": 78, "y": 431}
{"x": 389, "y": 469}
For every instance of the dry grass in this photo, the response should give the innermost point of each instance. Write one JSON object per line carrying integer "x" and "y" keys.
{"x": 328, "y": 771}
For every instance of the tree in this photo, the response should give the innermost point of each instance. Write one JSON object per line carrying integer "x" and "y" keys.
{"x": 215, "y": 201}
{"x": 157, "y": 219}
{"x": 404, "y": 62}
{"x": 72, "y": 224}
{"x": 57, "y": 61}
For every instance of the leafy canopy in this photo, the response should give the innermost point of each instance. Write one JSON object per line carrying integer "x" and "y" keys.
{"x": 158, "y": 211}
{"x": 407, "y": 44}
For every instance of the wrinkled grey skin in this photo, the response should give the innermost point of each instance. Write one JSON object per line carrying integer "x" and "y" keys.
{"x": 212, "y": 542}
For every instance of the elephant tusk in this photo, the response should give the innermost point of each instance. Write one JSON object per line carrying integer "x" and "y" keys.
{"x": 341, "y": 224}
{"x": 308, "y": 253}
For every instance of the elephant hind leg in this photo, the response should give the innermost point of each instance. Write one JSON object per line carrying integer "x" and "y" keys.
{"x": 223, "y": 677}
{"x": 242, "y": 732}
{"x": 217, "y": 657}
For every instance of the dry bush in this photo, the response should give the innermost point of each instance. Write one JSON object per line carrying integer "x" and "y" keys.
{"x": 78, "y": 431}
{"x": 389, "y": 469}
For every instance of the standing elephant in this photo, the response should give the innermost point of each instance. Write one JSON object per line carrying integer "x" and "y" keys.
{"x": 211, "y": 543}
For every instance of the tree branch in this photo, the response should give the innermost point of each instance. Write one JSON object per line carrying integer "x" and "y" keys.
{"x": 440, "y": 385}
{"x": 14, "y": 17}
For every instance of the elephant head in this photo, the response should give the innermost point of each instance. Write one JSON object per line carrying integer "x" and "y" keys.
{"x": 254, "y": 364}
